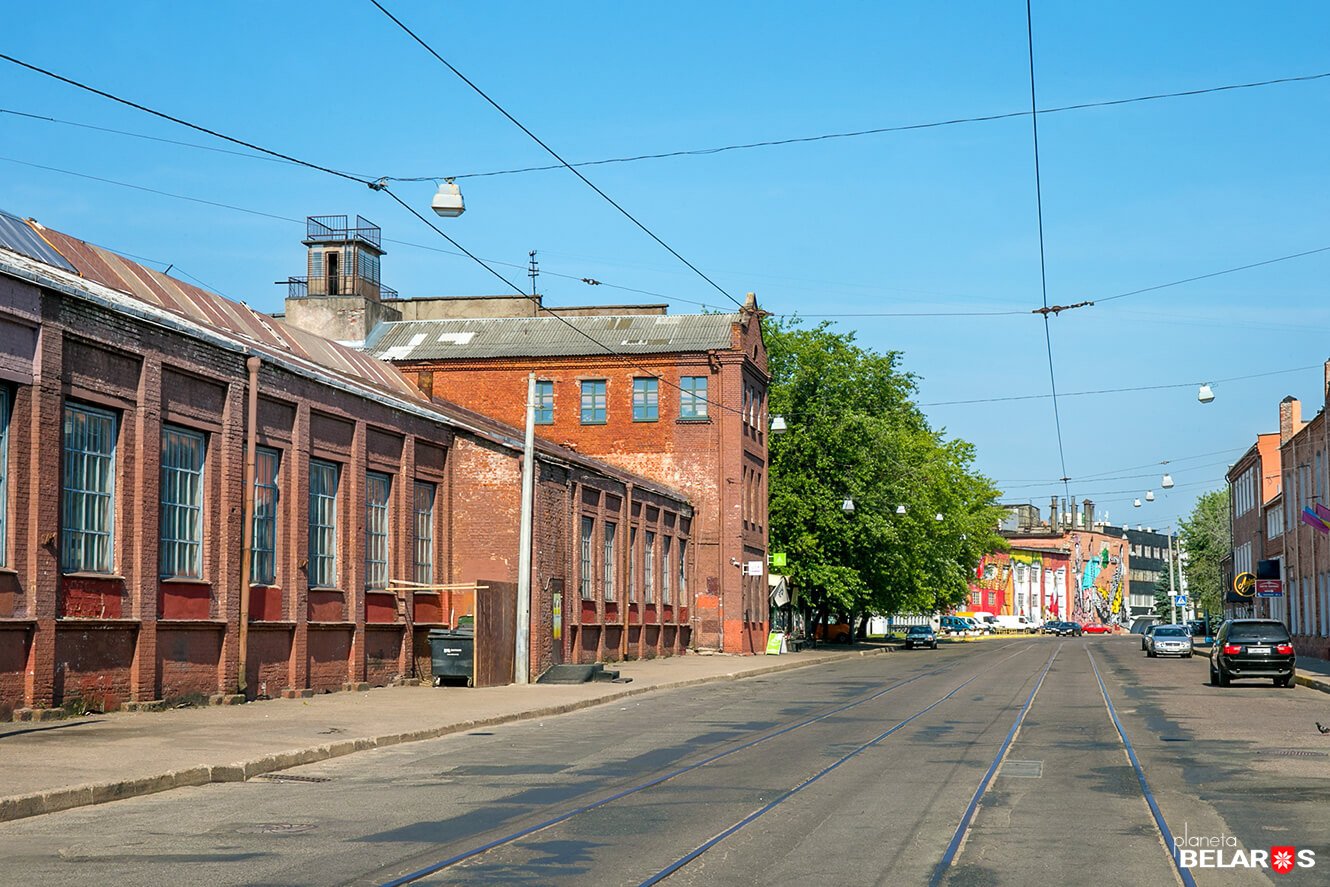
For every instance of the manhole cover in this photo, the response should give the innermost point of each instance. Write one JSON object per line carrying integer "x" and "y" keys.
{"x": 1023, "y": 769}
{"x": 277, "y": 828}
{"x": 291, "y": 777}
{"x": 1293, "y": 753}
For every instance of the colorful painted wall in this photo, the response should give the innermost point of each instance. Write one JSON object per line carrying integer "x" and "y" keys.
{"x": 1080, "y": 575}
{"x": 1023, "y": 582}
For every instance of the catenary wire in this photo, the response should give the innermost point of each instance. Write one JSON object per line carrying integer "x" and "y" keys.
{"x": 1043, "y": 273}
{"x": 985, "y": 118}
{"x": 551, "y": 151}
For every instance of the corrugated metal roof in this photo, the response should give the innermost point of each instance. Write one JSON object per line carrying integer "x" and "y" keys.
{"x": 222, "y": 314}
{"x": 567, "y": 336}
{"x": 16, "y": 236}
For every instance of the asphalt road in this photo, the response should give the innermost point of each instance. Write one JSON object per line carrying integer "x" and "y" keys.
{"x": 907, "y": 768}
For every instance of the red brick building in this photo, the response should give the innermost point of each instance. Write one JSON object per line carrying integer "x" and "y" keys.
{"x": 1253, "y": 482}
{"x": 138, "y": 565}
{"x": 681, "y": 399}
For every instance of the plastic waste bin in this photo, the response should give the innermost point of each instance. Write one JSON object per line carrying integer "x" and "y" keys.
{"x": 452, "y": 655}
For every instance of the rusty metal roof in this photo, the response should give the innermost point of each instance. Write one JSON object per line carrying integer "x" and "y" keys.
{"x": 222, "y": 314}
{"x": 564, "y": 336}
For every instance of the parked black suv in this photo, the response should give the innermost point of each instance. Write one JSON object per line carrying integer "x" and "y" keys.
{"x": 1252, "y": 648}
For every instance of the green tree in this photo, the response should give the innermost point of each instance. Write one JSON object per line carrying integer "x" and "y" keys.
{"x": 1206, "y": 538}
{"x": 854, "y": 433}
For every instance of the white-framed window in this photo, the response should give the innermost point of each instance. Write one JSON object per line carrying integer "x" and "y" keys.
{"x": 610, "y": 562}
{"x": 693, "y": 397}
{"x": 666, "y": 573}
{"x": 181, "y": 531}
{"x": 87, "y": 494}
{"x": 1244, "y": 492}
{"x": 1274, "y": 523}
{"x": 649, "y": 568}
{"x": 424, "y": 572}
{"x": 584, "y": 578}
{"x": 1242, "y": 558}
{"x": 378, "y": 489}
{"x": 263, "y": 547}
{"x": 683, "y": 572}
{"x": 323, "y": 482}
{"x": 632, "y": 565}
{"x": 4, "y": 476}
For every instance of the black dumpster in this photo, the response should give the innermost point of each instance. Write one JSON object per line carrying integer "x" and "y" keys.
{"x": 452, "y": 655}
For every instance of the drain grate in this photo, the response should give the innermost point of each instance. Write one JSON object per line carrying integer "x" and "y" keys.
{"x": 1292, "y": 753}
{"x": 291, "y": 777}
{"x": 1023, "y": 769}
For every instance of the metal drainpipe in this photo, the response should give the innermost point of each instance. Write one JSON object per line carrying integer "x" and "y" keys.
{"x": 247, "y": 531}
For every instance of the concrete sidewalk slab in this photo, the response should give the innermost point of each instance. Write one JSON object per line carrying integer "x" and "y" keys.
{"x": 55, "y": 765}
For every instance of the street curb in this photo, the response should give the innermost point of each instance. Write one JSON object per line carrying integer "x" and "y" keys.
{"x": 56, "y": 800}
{"x": 1314, "y": 683}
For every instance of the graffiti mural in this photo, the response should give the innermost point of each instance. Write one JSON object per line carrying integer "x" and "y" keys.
{"x": 1023, "y": 582}
{"x": 1099, "y": 565}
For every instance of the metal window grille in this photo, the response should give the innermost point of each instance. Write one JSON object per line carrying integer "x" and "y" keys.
{"x": 323, "y": 477}
{"x": 666, "y": 574}
{"x": 367, "y": 266}
{"x": 649, "y": 568}
{"x": 588, "y": 526}
{"x": 544, "y": 403}
{"x": 646, "y": 400}
{"x": 4, "y": 475}
{"x": 683, "y": 572}
{"x": 610, "y": 561}
{"x": 693, "y": 397}
{"x": 87, "y": 500}
{"x": 632, "y": 565}
{"x": 424, "y": 533}
{"x": 263, "y": 548}
{"x": 181, "y": 531}
{"x": 377, "y": 490}
{"x": 593, "y": 402}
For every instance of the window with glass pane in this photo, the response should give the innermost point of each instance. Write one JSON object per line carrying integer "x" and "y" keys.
{"x": 544, "y": 403}
{"x": 693, "y": 397}
{"x": 666, "y": 574}
{"x": 646, "y": 400}
{"x": 683, "y": 573}
{"x": 649, "y": 568}
{"x": 588, "y": 527}
{"x": 377, "y": 488}
{"x": 323, "y": 478}
{"x": 632, "y": 565}
{"x": 263, "y": 548}
{"x": 593, "y": 402}
{"x": 181, "y": 531}
{"x": 4, "y": 475}
{"x": 609, "y": 561}
{"x": 87, "y": 495}
{"x": 424, "y": 533}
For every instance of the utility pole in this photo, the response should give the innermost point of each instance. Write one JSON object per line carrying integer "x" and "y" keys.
{"x": 533, "y": 270}
{"x": 1172, "y": 595}
{"x": 521, "y": 660}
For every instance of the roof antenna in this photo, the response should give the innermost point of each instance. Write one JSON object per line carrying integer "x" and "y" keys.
{"x": 533, "y": 271}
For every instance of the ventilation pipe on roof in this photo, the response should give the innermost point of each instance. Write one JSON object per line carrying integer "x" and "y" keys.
{"x": 247, "y": 527}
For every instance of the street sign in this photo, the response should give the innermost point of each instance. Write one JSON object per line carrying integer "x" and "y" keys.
{"x": 1179, "y": 600}
{"x": 1269, "y": 588}
{"x": 778, "y": 558}
{"x": 753, "y": 568}
{"x": 1244, "y": 584}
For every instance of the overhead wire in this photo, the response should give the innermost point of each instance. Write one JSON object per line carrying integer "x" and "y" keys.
{"x": 414, "y": 36}
{"x": 1043, "y": 273}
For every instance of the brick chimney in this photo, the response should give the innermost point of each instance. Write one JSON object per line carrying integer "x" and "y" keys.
{"x": 1290, "y": 416}
{"x": 1053, "y": 522}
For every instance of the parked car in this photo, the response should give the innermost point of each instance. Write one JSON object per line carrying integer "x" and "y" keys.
{"x": 1068, "y": 629}
{"x": 920, "y": 636}
{"x": 1097, "y": 628}
{"x": 1050, "y": 627}
{"x": 1252, "y": 648}
{"x": 1013, "y": 623}
{"x": 955, "y": 625}
{"x": 1145, "y": 636}
{"x": 1169, "y": 640}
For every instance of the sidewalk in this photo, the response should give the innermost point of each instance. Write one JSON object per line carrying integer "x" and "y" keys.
{"x": 55, "y": 765}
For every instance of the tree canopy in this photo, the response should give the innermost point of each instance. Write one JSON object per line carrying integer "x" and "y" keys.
{"x": 855, "y": 433}
{"x": 1206, "y": 540}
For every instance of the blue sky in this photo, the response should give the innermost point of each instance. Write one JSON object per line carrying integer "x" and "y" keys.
{"x": 935, "y": 220}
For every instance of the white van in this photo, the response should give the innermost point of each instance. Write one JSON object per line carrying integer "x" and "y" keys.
{"x": 1014, "y": 623}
